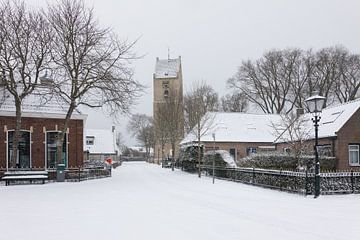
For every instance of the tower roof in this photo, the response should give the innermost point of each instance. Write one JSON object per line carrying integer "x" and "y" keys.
{"x": 167, "y": 68}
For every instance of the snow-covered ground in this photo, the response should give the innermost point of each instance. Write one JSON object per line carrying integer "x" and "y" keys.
{"x": 143, "y": 201}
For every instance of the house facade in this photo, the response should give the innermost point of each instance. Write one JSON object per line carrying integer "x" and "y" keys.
{"x": 41, "y": 122}
{"x": 100, "y": 145}
{"x": 242, "y": 134}
{"x": 339, "y": 135}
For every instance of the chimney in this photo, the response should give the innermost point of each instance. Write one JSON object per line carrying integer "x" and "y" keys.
{"x": 113, "y": 128}
{"x": 299, "y": 112}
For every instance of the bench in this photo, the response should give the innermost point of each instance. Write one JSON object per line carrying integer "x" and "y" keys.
{"x": 13, "y": 176}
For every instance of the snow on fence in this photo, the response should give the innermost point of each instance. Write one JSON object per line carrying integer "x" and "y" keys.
{"x": 297, "y": 182}
{"x": 82, "y": 174}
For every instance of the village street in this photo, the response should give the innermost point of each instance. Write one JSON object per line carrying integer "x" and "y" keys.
{"x": 145, "y": 201}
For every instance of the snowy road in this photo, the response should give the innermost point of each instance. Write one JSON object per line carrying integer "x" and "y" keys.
{"x": 143, "y": 201}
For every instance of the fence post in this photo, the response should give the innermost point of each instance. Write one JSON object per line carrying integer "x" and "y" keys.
{"x": 306, "y": 182}
{"x": 253, "y": 176}
{"x": 79, "y": 174}
{"x": 280, "y": 179}
{"x": 352, "y": 181}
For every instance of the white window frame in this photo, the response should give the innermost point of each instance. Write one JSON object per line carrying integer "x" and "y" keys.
{"x": 358, "y": 154}
{"x": 89, "y": 139}
{"x": 7, "y": 146}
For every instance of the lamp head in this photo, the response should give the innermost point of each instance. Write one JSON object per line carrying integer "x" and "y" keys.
{"x": 315, "y": 103}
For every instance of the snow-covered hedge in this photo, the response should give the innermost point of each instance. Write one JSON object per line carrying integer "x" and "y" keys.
{"x": 277, "y": 160}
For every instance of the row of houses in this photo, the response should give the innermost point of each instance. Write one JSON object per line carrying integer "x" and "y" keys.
{"x": 243, "y": 134}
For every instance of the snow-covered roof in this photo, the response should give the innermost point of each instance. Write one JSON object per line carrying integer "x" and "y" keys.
{"x": 104, "y": 141}
{"x": 140, "y": 149}
{"x": 37, "y": 105}
{"x": 244, "y": 127}
{"x": 225, "y": 155}
{"x": 333, "y": 118}
{"x": 167, "y": 68}
{"x": 238, "y": 127}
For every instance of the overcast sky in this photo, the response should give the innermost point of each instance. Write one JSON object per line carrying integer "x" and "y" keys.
{"x": 214, "y": 36}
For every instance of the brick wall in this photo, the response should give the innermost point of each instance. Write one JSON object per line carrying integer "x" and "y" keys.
{"x": 75, "y": 139}
{"x": 240, "y": 148}
{"x": 348, "y": 134}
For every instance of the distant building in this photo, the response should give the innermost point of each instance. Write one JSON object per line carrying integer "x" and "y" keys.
{"x": 239, "y": 133}
{"x": 41, "y": 121}
{"x": 100, "y": 144}
{"x": 167, "y": 80}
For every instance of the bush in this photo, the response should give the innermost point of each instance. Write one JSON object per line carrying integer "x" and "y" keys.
{"x": 286, "y": 161}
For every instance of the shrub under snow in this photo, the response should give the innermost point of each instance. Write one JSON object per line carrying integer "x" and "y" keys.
{"x": 276, "y": 160}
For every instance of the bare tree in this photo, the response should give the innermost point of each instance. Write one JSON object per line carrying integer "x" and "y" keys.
{"x": 235, "y": 102}
{"x": 142, "y": 127}
{"x": 295, "y": 132}
{"x": 197, "y": 117}
{"x": 303, "y": 67}
{"x": 201, "y": 97}
{"x": 24, "y": 53}
{"x": 347, "y": 88}
{"x": 326, "y": 73}
{"x": 161, "y": 133}
{"x": 119, "y": 140}
{"x": 91, "y": 66}
{"x": 281, "y": 80}
{"x": 267, "y": 82}
{"x": 172, "y": 110}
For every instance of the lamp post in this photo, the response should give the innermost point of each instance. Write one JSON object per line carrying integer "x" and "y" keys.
{"x": 315, "y": 105}
{"x": 213, "y": 135}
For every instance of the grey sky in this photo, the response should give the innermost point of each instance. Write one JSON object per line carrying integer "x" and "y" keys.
{"x": 214, "y": 36}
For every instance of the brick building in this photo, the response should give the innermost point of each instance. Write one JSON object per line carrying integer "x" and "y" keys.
{"x": 41, "y": 121}
{"x": 242, "y": 134}
{"x": 339, "y": 134}
{"x": 167, "y": 80}
{"x": 239, "y": 133}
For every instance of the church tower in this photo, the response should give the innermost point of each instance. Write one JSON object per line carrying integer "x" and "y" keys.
{"x": 167, "y": 80}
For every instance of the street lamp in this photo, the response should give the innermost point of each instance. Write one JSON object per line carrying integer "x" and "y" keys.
{"x": 213, "y": 135}
{"x": 315, "y": 105}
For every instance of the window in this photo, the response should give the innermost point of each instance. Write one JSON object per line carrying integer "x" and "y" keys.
{"x": 51, "y": 150}
{"x": 287, "y": 150}
{"x": 325, "y": 150}
{"x": 232, "y": 152}
{"x": 165, "y": 84}
{"x": 90, "y": 140}
{"x": 23, "y": 159}
{"x": 250, "y": 150}
{"x": 354, "y": 155}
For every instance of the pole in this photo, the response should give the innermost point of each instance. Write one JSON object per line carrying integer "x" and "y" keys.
{"x": 214, "y": 160}
{"x": 317, "y": 163}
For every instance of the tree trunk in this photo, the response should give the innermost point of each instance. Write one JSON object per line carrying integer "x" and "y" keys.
{"x": 173, "y": 156}
{"x": 61, "y": 134}
{"x": 199, "y": 151}
{"x": 16, "y": 136}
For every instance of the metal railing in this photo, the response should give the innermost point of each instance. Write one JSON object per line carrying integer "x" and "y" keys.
{"x": 301, "y": 182}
